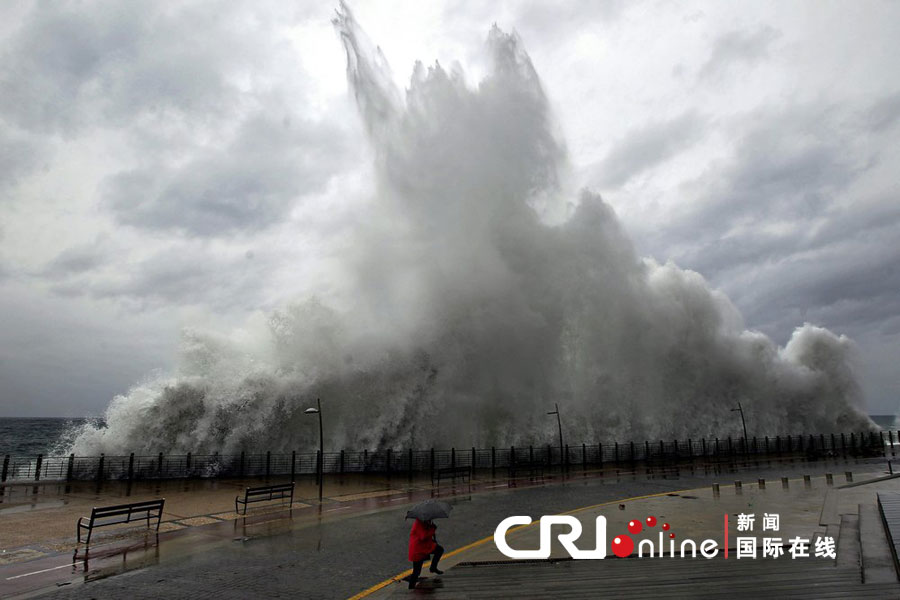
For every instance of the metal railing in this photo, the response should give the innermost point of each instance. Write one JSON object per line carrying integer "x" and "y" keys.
{"x": 409, "y": 461}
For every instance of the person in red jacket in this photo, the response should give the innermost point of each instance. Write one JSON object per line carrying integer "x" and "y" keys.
{"x": 422, "y": 544}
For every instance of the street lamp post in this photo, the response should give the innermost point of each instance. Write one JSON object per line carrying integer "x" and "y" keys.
{"x": 743, "y": 423}
{"x": 320, "y": 462}
{"x": 562, "y": 460}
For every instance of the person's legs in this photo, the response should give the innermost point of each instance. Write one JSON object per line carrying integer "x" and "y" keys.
{"x": 417, "y": 570}
{"x": 436, "y": 556}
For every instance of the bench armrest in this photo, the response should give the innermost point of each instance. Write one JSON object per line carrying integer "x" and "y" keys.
{"x": 79, "y": 527}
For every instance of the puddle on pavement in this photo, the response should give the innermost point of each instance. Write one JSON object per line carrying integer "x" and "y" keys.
{"x": 120, "y": 560}
{"x": 33, "y": 506}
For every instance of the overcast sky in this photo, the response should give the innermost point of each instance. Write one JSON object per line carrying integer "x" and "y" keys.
{"x": 197, "y": 164}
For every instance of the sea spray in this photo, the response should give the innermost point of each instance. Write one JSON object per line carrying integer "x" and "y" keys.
{"x": 484, "y": 291}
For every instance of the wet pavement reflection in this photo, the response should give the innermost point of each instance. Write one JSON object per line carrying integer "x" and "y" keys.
{"x": 364, "y": 526}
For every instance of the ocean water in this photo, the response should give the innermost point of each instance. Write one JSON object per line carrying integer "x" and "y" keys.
{"x": 33, "y": 436}
{"x": 52, "y": 436}
{"x": 885, "y": 421}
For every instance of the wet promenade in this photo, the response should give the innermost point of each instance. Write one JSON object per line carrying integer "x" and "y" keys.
{"x": 354, "y": 542}
{"x": 841, "y": 509}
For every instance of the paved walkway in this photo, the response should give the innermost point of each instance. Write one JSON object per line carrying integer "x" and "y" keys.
{"x": 45, "y": 514}
{"x": 662, "y": 578}
{"x": 809, "y": 510}
{"x": 346, "y": 545}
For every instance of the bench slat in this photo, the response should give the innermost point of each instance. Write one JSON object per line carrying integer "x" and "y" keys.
{"x": 452, "y": 472}
{"x": 267, "y": 489}
{"x": 279, "y": 492}
{"x": 99, "y": 514}
{"x": 146, "y": 503}
{"x": 138, "y": 511}
{"x": 117, "y": 522}
{"x": 264, "y": 493}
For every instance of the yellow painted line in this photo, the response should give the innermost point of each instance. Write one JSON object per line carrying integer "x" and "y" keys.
{"x": 400, "y": 576}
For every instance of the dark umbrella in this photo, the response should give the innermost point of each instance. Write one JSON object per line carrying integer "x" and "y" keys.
{"x": 429, "y": 510}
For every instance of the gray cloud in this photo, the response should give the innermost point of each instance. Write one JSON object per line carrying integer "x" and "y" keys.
{"x": 60, "y": 356}
{"x": 841, "y": 273}
{"x": 884, "y": 112}
{"x": 788, "y": 166}
{"x": 182, "y": 275}
{"x": 563, "y": 17}
{"x": 70, "y": 65}
{"x": 782, "y": 226}
{"x": 20, "y": 154}
{"x": 247, "y": 185}
{"x": 846, "y": 284}
{"x": 170, "y": 81}
{"x": 78, "y": 259}
{"x": 648, "y": 146}
{"x": 536, "y": 21}
{"x": 737, "y": 47}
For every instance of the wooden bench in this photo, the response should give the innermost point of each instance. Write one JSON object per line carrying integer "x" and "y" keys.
{"x": 451, "y": 473}
{"x": 532, "y": 468}
{"x": 121, "y": 513}
{"x": 264, "y": 494}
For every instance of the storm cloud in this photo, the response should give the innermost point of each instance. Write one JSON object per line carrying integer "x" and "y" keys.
{"x": 648, "y": 146}
{"x": 734, "y": 49}
{"x": 249, "y": 183}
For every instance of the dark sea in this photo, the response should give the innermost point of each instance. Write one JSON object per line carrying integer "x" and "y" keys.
{"x": 32, "y": 436}
{"x": 50, "y": 436}
{"x": 885, "y": 421}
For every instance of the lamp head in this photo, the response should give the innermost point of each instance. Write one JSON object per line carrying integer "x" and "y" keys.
{"x": 311, "y": 411}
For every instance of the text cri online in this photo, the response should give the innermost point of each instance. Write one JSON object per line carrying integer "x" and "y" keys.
{"x": 707, "y": 548}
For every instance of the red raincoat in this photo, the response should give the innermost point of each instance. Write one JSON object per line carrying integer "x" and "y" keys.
{"x": 421, "y": 541}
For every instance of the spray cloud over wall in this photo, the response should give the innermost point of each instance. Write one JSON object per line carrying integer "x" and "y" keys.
{"x": 485, "y": 292}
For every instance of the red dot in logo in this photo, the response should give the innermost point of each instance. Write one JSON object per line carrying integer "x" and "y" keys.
{"x": 651, "y": 521}
{"x": 622, "y": 546}
{"x": 672, "y": 535}
{"x": 665, "y": 526}
{"x": 634, "y": 527}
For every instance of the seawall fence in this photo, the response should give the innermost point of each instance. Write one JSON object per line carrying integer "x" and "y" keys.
{"x": 410, "y": 461}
